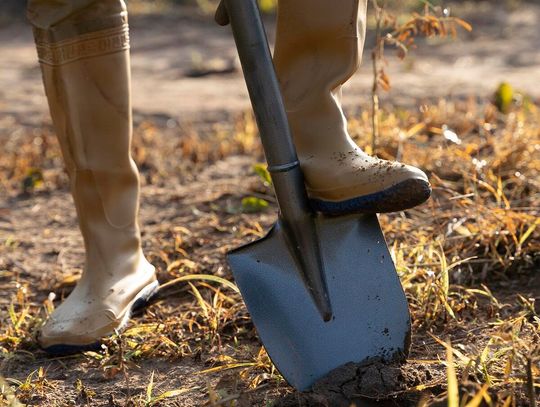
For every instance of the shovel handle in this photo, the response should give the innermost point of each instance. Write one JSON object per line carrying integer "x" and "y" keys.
{"x": 265, "y": 95}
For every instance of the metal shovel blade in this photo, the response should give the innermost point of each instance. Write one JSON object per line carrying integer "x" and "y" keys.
{"x": 370, "y": 311}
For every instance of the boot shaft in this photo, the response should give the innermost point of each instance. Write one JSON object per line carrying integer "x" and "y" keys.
{"x": 85, "y": 64}
{"x": 318, "y": 47}
{"x": 315, "y": 53}
{"x": 63, "y": 19}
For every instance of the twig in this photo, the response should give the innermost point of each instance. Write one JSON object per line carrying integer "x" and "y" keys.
{"x": 376, "y": 55}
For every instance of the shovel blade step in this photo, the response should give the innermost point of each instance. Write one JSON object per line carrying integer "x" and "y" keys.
{"x": 370, "y": 311}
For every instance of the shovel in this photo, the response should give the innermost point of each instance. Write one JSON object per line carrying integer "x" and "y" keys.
{"x": 321, "y": 291}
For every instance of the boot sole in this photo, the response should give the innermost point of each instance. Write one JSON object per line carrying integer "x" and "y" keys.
{"x": 402, "y": 196}
{"x": 140, "y": 301}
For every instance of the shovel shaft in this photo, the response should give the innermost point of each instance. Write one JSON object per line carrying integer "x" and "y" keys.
{"x": 267, "y": 104}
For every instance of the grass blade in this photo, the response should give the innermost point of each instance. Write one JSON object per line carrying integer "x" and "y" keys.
{"x": 453, "y": 390}
{"x": 205, "y": 277}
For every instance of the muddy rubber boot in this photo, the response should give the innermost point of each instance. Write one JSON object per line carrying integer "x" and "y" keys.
{"x": 315, "y": 53}
{"x": 85, "y": 66}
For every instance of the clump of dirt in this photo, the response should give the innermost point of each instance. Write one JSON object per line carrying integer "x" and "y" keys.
{"x": 373, "y": 383}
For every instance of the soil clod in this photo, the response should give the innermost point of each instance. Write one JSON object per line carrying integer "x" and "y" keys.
{"x": 374, "y": 383}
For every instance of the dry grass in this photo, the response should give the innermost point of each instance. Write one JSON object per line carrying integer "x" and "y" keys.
{"x": 467, "y": 260}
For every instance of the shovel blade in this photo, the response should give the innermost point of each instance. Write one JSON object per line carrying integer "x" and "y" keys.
{"x": 370, "y": 311}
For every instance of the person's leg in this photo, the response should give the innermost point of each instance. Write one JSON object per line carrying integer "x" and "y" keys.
{"x": 83, "y": 49}
{"x": 318, "y": 48}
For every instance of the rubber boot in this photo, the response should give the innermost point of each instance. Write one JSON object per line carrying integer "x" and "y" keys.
{"x": 318, "y": 48}
{"x": 85, "y": 66}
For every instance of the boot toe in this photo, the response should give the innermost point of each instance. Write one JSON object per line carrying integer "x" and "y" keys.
{"x": 412, "y": 172}
{"x": 78, "y": 332}
{"x": 68, "y": 332}
{"x": 398, "y": 187}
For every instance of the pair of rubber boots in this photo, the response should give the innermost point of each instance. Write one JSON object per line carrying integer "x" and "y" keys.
{"x": 84, "y": 57}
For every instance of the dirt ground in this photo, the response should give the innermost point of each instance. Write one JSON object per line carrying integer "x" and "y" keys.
{"x": 186, "y": 84}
